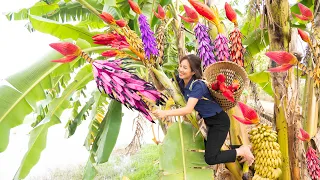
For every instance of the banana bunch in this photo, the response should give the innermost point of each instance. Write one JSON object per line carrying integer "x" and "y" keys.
{"x": 266, "y": 151}
{"x": 127, "y": 88}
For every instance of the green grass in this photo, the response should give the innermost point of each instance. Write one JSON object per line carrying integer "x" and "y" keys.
{"x": 141, "y": 166}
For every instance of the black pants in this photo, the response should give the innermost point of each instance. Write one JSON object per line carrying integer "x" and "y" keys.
{"x": 218, "y": 128}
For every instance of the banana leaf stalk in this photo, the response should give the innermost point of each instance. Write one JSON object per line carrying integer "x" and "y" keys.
{"x": 238, "y": 130}
{"x": 312, "y": 112}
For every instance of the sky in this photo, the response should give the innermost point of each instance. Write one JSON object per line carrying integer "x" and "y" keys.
{"x": 19, "y": 48}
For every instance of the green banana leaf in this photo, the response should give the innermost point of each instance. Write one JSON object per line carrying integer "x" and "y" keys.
{"x": 58, "y": 11}
{"x": 109, "y": 128}
{"x": 29, "y": 87}
{"x": 73, "y": 124}
{"x": 264, "y": 80}
{"x": 37, "y": 143}
{"x": 38, "y": 9}
{"x": 61, "y": 31}
{"x": 38, "y": 136}
{"x": 176, "y": 160}
{"x": 99, "y": 107}
{"x": 90, "y": 171}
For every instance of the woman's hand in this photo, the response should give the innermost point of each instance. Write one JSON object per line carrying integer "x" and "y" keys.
{"x": 160, "y": 114}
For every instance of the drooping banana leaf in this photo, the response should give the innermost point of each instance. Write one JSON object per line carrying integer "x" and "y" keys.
{"x": 99, "y": 109}
{"x": 60, "y": 30}
{"x": 29, "y": 87}
{"x": 109, "y": 128}
{"x": 74, "y": 123}
{"x": 90, "y": 171}
{"x": 38, "y": 136}
{"x": 176, "y": 159}
{"x": 38, "y": 141}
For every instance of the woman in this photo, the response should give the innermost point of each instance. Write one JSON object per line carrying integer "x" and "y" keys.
{"x": 216, "y": 119}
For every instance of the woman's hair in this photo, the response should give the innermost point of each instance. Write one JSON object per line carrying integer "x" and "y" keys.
{"x": 195, "y": 65}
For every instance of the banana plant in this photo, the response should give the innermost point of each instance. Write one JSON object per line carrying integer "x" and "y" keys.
{"x": 56, "y": 89}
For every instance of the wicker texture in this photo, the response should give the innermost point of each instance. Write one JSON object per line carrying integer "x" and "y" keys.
{"x": 232, "y": 71}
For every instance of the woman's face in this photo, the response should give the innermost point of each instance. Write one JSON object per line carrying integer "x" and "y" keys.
{"x": 185, "y": 71}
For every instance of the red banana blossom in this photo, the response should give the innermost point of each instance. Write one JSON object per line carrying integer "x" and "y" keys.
{"x": 284, "y": 59}
{"x": 304, "y": 36}
{"x": 110, "y": 53}
{"x": 303, "y": 136}
{"x": 69, "y": 50}
{"x": 192, "y": 15}
{"x": 230, "y": 13}
{"x": 221, "y": 78}
{"x": 114, "y": 40}
{"x": 204, "y": 10}
{"x": 306, "y": 13}
{"x": 249, "y": 114}
{"x": 161, "y": 14}
{"x": 134, "y": 6}
{"x": 108, "y": 18}
{"x": 121, "y": 22}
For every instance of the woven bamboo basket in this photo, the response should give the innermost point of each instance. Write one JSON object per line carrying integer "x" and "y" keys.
{"x": 232, "y": 71}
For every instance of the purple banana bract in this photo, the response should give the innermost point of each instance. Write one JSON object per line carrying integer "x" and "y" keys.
{"x": 205, "y": 47}
{"x": 221, "y": 48}
{"x": 149, "y": 42}
{"x": 125, "y": 87}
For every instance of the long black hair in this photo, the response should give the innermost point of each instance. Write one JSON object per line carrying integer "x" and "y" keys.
{"x": 195, "y": 65}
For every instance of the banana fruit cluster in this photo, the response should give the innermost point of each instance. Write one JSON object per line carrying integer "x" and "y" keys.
{"x": 266, "y": 151}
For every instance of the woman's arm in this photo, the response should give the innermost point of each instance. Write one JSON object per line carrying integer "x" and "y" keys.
{"x": 177, "y": 112}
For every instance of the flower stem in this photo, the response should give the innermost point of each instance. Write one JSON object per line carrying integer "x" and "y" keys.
{"x": 97, "y": 49}
{"x": 89, "y": 7}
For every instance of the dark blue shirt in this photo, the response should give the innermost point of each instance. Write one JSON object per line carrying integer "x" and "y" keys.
{"x": 206, "y": 108}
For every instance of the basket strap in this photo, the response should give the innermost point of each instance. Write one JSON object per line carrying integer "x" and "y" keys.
{"x": 193, "y": 81}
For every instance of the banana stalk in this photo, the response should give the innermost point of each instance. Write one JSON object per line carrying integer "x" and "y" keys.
{"x": 238, "y": 130}
{"x": 278, "y": 28}
{"x": 312, "y": 112}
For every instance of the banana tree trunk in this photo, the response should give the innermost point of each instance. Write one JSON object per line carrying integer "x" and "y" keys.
{"x": 294, "y": 122}
{"x": 312, "y": 112}
{"x": 313, "y": 103}
{"x": 178, "y": 30}
{"x": 278, "y": 28}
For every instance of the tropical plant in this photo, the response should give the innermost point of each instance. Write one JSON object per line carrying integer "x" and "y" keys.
{"x": 132, "y": 64}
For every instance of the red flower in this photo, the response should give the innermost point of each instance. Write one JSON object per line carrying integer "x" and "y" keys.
{"x": 161, "y": 14}
{"x": 204, "y": 10}
{"x": 110, "y": 53}
{"x": 69, "y": 50}
{"x": 134, "y": 6}
{"x": 249, "y": 115}
{"x": 284, "y": 59}
{"x": 304, "y": 36}
{"x": 192, "y": 15}
{"x": 306, "y": 13}
{"x": 121, "y": 23}
{"x": 230, "y": 13}
{"x": 304, "y": 135}
{"x": 108, "y": 18}
{"x": 221, "y": 78}
{"x": 112, "y": 39}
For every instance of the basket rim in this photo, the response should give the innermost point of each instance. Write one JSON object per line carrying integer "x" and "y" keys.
{"x": 242, "y": 71}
